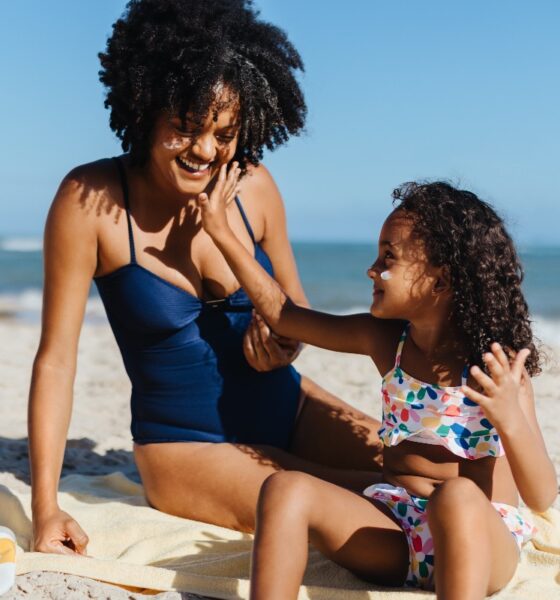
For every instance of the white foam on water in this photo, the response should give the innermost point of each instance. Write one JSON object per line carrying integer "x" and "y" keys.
{"x": 547, "y": 330}
{"x": 21, "y": 244}
{"x": 28, "y": 304}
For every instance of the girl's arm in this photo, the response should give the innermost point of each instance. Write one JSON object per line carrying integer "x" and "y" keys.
{"x": 263, "y": 349}
{"x": 508, "y": 402}
{"x": 354, "y": 333}
{"x": 70, "y": 256}
{"x": 263, "y": 190}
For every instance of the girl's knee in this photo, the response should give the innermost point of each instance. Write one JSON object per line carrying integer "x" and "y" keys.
{"x": 286, "y": 490}
{"x": 454, "y": 499}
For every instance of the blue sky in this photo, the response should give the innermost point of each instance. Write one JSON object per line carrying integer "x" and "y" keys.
{"x": 397, "y": 90}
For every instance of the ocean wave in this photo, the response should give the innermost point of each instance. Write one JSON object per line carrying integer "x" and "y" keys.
{"x": 28, "y": 304}
{"x": 547, "y": 330}
{"x": 21, "y": 244}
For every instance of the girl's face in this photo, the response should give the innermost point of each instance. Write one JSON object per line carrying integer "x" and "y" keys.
{"x": 405, "y": 284}
{"x": 189, "y": 155}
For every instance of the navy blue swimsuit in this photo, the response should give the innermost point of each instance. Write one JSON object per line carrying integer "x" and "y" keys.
{"x": 190, "y": 380}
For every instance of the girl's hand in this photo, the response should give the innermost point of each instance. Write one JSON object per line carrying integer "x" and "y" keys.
{"x": 265, "y": 350}
{"x": 500, "y": 397}
{"x": 59, "y": 533}
{"x": 213, "y": 207}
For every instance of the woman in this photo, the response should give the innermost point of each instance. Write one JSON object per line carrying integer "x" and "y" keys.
{"x": 216, "y": 408}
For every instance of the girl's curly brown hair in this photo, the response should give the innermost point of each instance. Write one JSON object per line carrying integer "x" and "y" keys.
{"x": 169, "y": 56}
{"x": 464, "y": 234}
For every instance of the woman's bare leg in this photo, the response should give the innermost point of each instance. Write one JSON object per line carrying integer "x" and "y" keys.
{"x": 295, "y": 508}
{"x": 475, "y": 554}
{"x": 325, "y": 419}
{"x": 220, "y": 483}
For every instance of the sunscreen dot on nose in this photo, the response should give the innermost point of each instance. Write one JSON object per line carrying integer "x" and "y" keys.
{"x": 385, "y": 276}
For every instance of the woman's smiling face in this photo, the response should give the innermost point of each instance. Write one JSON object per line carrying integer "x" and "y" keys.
{"x": 404, "y": 282}
{"x": 187, "y": 155}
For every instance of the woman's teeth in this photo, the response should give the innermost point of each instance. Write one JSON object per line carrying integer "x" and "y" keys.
{"x": 191, "y": 166}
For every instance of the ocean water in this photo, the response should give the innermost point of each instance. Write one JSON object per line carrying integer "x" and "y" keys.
{"x": 333, "y": 275}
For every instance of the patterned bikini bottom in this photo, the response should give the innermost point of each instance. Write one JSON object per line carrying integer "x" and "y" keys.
{"x": 410, "y": 512}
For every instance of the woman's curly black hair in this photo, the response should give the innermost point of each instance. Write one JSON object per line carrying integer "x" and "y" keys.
{"x": 464, "y": 234}
{"x": 168, "y": 56}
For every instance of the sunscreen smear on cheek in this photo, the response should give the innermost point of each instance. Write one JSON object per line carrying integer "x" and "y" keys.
{"x": 385, "y": 275}
{"x": 175, "y": 143}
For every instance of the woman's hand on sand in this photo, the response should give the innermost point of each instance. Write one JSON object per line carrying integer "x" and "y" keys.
{"x": 499, "y": 398}
{"x": 264, "y": 350}
{"x": 213, "y": 207}
{"x": 59, "y": 533}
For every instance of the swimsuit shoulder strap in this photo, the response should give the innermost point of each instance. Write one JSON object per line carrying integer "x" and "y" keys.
{"x": 124, "y": 185}
{"x": 465, "y": 375}
{"x": 401, "y": 345}
{"x": 245, "y": 219}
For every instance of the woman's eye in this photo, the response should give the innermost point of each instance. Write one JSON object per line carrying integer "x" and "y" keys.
{"x": 185, "y": 132}
{"x": 226, "y": 139}
{"x": 388, "y": 255}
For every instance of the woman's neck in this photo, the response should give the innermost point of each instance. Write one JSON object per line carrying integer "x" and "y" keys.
{"x": 156, "y": 203}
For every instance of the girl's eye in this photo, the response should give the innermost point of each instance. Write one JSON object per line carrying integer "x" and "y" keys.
{"x": 388, "y": 255}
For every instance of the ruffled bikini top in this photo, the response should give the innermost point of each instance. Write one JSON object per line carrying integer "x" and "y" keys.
{"x": 427, "y": 413}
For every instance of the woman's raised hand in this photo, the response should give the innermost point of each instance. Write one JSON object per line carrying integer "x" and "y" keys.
{"x": 213, "y": 207}
{"x": 264, "y": 350}
{"x": 59, "y": 533}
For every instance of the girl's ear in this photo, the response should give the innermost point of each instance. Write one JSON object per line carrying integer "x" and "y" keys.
{"x": 443, "y": 281}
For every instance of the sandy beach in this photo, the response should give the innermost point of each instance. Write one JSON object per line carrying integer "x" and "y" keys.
{"x": 99, "y": 439}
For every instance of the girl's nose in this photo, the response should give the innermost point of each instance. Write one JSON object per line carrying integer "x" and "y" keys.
{"x": 372, "y": 272}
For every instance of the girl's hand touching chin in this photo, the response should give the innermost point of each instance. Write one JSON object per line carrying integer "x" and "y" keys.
{"x": 213, "y": 207}
{"x": 499, "y": 398}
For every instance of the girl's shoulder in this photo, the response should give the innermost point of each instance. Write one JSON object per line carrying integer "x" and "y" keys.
{"x": 387, "y": 334}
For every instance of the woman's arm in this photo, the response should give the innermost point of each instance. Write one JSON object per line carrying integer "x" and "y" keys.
{"x": 354, "y": 333}
{"x": 70, "y": 257}
{"x": 508, "y": 402}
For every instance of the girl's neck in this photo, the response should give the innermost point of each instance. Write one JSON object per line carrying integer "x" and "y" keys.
{"x": 436, "y": 338}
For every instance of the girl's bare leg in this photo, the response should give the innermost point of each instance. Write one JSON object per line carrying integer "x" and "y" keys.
{"x": 295, "y": 508}
{"x": 475, "y": 554}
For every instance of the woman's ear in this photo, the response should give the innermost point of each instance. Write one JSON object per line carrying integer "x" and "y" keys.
{"x": 443, "y": 280}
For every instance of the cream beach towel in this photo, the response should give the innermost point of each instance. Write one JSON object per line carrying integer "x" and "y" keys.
{"x": 134, "y": 545}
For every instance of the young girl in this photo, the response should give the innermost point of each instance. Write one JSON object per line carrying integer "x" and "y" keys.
{"x": 449, "y": 328}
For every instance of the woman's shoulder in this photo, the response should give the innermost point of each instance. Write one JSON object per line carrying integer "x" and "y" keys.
{"x": 88, "y": 196}
{"x": 258, "y": 183}
{"x": 93, "y": 187}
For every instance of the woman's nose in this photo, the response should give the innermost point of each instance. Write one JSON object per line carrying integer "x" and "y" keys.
{"x": 204, "y": 147}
